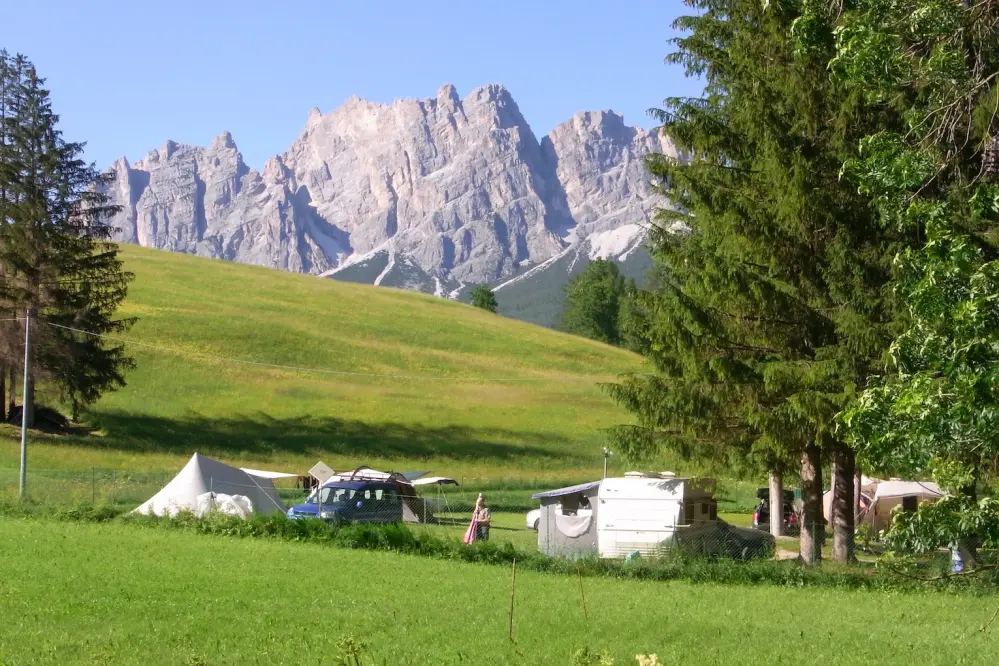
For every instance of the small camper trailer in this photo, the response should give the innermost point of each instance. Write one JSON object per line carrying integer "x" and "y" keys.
{"x": 643, "y": 511}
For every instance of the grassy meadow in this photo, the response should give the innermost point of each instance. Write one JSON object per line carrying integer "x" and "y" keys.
{"x": 71, "y": 594}
{"x": 442, "y": 411}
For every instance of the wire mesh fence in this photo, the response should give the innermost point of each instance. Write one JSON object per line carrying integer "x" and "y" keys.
{"x": 561, "y": 529}
{"x": 94, "y": 485}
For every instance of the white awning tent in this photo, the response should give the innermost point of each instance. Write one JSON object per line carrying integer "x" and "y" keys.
{"x": 434, "y": 480}
{"x": 264, "y": 474}
{"x": 890, "y": 494}
{"x": 203, "y": 475}
{"x": 881, "y": 497}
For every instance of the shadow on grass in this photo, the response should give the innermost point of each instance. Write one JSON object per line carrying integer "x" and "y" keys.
{"x": 262, "y": 434}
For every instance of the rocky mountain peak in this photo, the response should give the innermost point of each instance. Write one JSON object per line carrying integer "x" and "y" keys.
{"x": 447, "y": 96}
{"x": 224, "y": 141}
{"x": 457, "y": 189}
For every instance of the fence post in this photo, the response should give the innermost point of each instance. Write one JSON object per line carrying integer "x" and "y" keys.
{"x": 114, "y": 482}
{"x": 93, "y": 485}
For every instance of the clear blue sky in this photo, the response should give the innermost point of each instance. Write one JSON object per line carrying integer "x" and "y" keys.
{"x": 125, "y": 76}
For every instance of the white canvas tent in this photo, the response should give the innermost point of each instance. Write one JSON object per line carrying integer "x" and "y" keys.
{"x": 880, "y": 497}
{"x": 890, "y": 494}
{"x": 203, "y": 475}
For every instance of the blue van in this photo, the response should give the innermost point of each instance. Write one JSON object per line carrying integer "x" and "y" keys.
{"x": 353, "y": 502}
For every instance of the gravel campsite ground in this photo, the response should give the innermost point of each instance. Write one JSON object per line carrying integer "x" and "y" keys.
{"x": 121, "y": 594}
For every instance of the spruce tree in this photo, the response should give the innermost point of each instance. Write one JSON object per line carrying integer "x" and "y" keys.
{"x": 772, "y": 305}
{"x": 56, "y": 258}
{"x": 593, "y": 301}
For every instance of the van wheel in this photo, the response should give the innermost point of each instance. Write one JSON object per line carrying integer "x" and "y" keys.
{"x": 537, "y": 524}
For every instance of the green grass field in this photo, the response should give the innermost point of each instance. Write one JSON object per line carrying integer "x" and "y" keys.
{"x": 74, "y": 593}
{"x": 442, "y": 414}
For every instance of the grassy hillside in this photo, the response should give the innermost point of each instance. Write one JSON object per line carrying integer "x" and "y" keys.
{"x": 545, "y": 424}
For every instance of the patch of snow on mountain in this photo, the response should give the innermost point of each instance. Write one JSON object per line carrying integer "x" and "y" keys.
{"x": 615, "y": 242}
{"x": 537, "y": 269}
{"x": 388, "y": 267}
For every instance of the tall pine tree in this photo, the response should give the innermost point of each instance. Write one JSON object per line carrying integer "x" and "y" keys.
{"x": 56, "y": 258}
{"x": 773, "y": 305}
{"x": 593, "y": 301}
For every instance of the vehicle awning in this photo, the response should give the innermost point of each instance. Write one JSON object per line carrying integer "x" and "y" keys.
{"x": 264, "y": 474}
{"x": 413, "y": 476}
{"x": 571, "y": 490}
{"x": 897, "y": 488}
{"x": 434, "y": 480}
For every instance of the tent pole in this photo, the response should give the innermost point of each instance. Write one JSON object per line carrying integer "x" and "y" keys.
{"x": 447, "y": 505}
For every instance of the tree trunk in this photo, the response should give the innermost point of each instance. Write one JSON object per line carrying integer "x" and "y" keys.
{"x": 3, "y": 394}
{"x": 12, "y": 405}
{"x": 812, "y": 530}
{"x": 856, "y": 492}
{"x": 842, "y": 504}
{"x": 776, "y": 504}
{"x": 969, "y": 546}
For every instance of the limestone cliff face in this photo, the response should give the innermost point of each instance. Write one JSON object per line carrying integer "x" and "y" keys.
{"x": 459, "y": 188}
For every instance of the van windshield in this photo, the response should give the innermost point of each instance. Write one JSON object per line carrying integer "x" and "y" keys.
{"x": 332, "y": 495}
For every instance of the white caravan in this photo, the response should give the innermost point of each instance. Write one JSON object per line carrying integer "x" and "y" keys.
{"x": 644, "y": 511}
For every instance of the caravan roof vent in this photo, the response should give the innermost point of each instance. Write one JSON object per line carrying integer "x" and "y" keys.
{"x": 668, "y": 475}
{"x": 633, "y": 475}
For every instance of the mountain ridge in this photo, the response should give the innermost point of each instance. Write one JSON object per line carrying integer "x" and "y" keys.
{"x": 458, "y": 189}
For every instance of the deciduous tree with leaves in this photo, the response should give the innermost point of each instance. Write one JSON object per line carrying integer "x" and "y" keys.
{"x": 936, "y": 410}
{"x": 483, "y": 297}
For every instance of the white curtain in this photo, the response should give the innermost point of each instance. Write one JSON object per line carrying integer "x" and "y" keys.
{"x": 573, "y": 526}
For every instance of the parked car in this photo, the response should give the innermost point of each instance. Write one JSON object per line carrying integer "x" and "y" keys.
{"x": 761, "y": 516}
{"x": 352, "y": 501}
{"x": 716, "y": 538}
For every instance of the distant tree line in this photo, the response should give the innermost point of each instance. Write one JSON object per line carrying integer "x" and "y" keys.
{"x": 600, "y": 304}
{"x": 56, "y": 259}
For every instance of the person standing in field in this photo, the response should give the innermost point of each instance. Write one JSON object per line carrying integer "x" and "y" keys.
{"x": 478, "y": 529}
